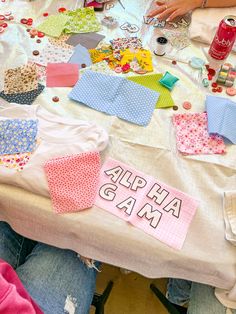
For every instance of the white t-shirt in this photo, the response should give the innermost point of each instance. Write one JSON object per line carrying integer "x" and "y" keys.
{"x": 59, "y": 136}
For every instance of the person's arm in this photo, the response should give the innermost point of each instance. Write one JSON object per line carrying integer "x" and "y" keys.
{"x": 173, "y": 8}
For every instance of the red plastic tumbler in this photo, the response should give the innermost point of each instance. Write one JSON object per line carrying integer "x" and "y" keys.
{"x": 224, "y": 38}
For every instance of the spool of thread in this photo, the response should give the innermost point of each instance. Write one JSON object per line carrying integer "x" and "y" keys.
{"x": 161, "y": 46}
{"x": 225, "y": 68}
{"x": 221, "y": 80}
{"x": 229, "y": 83}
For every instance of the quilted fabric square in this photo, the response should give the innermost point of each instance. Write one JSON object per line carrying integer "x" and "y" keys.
{"x": 52, "y": 54}
{"x": 124, "y": 43}
{"x": 82, "y": 20}
{"x": 62, "y": 74}
{"x": 17, "y": 136}
{"x": 192, "y": 136}
{"x": 73, "y": 181}
{"x": 81, "y": 57}
{"x": 53, "y": 25}
{"x": 151, "y": 81}
{"x": 116, "y": 96}
{"x": 21, "y": 79}
{"x": 23, "y": 98}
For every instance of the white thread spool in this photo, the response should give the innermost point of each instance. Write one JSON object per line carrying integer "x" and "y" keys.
{"x": 161, "y": 46}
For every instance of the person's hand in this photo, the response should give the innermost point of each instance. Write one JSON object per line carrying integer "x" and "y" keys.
{"x": 173, "y": 8}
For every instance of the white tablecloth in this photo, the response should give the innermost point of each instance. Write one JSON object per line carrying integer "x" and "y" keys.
{"x": 206, "y": 255}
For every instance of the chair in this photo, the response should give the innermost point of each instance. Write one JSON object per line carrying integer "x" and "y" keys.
{"x": 171, "y": 308}
{"x": 99, "y": 300}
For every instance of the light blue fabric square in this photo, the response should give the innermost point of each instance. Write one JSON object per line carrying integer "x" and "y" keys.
{"x": 17, "y": 136}
{"x": 116, "y": 96}
{"x": 228, "y": 125}
{"x": 80, "y": 56}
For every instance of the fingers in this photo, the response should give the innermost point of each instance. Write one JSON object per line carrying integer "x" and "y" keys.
{"x": 174, "y": 15}
{"x": 157, "y": 11}
{"x": 165, "y": 13}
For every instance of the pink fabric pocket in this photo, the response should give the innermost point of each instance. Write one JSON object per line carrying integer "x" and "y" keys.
{"x": 73, "y": 181}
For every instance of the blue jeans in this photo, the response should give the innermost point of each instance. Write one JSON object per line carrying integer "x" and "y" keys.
{"x": 201, "y": 298}
{"x": 53, "y": 277}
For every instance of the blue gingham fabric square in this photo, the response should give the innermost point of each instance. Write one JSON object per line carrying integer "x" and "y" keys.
{"x": 17, "y": 136}
{"x": 116, "y": 96}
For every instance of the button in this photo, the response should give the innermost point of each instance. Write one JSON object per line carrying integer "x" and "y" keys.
{"x": 28, "y": 30}
{"x": 214, "y": 90}
{"x": 30, "y": 20}
{"x": 2, "y": 17}
{"x": 141, "y": 71}
{"x": 219, "y": 89}
{"x": 175, "y": 108}
{"x": 38, "y": 41}
{"x": 32, "y": 36}
{"x": 61, "y": 10}
{"x": 41, "y": 34}
{"x": 55, "y": 99}
{"x": 23, "y": 21}
{"x": 29, "y": 23}
{"x": 35, "y": 52}
{"x": 83, "y": 65}
{"x": 212, "y": 72}
{"x": 231, "y": 91}
{"x": 214, "y": 84}
{"x": 45, "y": 14}
{"x": 33, "y": 32}
{"x": 187, "y": 105}
{"x": 4, "y": 25}
{"x": 174, "y": 62}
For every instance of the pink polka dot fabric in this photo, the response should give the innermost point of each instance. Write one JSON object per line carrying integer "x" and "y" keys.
{"x": 73, "y": 181}
{"x": 192, "y": 137}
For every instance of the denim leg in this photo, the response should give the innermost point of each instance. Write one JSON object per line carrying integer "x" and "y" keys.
{"x": 178, "y": 291}
{"x": 13, "y": 247}
{"x": 57, "y": 279}
{"x": 203, "y": 300}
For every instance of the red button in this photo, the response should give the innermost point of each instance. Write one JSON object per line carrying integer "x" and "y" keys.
{"x": 4, "y": 25}
{"x": 214, "y": 84}
{"x": 212, "y": 72}
{"x": 29, "y": 23}
{"x": 209, "y": 77}
{"x": 24, "y": 21}
{"x": 61, "y": 10}
{"x": 55, "y": 99}
{"x": 219, "y": 89}
{"x": 41, "y": 34}
{"x": 30, "y": 20}
{"x": 174, "y": 62}
{"x": 45, "y": 14}
{"x": 214, "y": 90}
{"x": 187, "y": 105}
{"x": 2, "y": 17}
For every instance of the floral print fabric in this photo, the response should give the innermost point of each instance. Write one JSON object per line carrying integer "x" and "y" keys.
{"x": 192, "y": 136}
{"x": 17, "y": 136}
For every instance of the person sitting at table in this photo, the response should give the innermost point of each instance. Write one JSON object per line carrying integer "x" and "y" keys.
{"x": 199, "y": 297}
{"x": 56, "y": 279}
{"x": 169, "y": 10}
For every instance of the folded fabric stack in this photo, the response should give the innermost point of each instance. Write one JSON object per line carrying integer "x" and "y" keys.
{"x": 221, "y": 114}
{"x": 18, "y": 140}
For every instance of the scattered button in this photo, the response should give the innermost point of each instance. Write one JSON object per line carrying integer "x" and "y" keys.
{"x": 55, "y": 99}
{"x": 35, "y": 52}
{"x": 219, "y": 89}
{"x": 29, "y": 23}
{"x": 38, "y": 41}
{"x": 174, "y": 62}
{"x": 118, "y": 69}
{"x": 212, "y": 72}
{"x": 83, "y": 65}
{"x": 41, "y": 34}
{"x": 187, "y": 105}
{"x": 32, "y": 36}
{"x": 209, "y": 77}
{"x": 45, "y": 14}
{"x": 231, "y": 91}
{"x": 33, "y": 32}
{"x": 141, "y": 71}
{"x": 23, "y": 21}
{"x": 214, "y": 84}
{"x": 61, "y": 10}
{"x": 205, "y": 82}
{"x": 4, "y": 25}
{"x": 28, "y": 30}
{"x": 214, "y": 90}
{"x": 2, "y": 17}
{"x": 175, "y": 108}
{"x": 30, "y": 20}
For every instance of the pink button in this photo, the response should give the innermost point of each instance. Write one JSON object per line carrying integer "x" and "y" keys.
{"x": 231, "y": 91}
{"x": 187, "y": 105}
{"x": 2, "y": 17}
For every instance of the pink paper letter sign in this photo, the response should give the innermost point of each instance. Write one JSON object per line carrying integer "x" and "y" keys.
{"x": 158, "y": 209}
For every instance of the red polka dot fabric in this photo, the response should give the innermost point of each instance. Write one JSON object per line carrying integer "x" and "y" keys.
{"x": 73, "y": 181}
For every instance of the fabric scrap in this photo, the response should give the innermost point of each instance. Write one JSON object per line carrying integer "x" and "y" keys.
{"x": 17, "y": 136}
{"x": 53, "y": 25}
{"x": 192, "y": 137}
{"x": 81, "y": 57}
{"x": 21, "y": 79}
{"x": 148, "y": 204}
{"x": 73, "y": 181}
{"x": 62, "y": 74}
{"x": 116, "y": 96}
{"x": 152, "y": 81}
{"x": 88, "y": 40}
{"x": 82, "y": 20}
{"x": 23, "y": 98}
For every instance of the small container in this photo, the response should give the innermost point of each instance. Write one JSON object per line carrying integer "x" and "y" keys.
{"x": 161, "y": 46}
